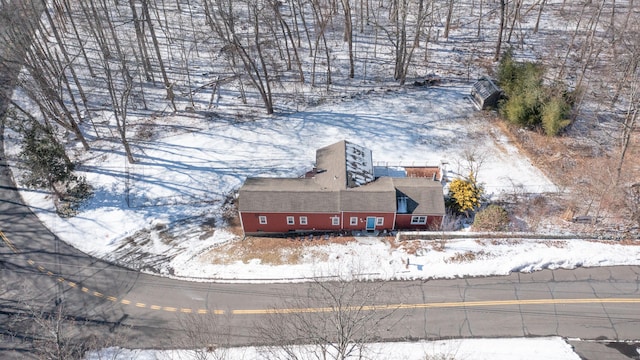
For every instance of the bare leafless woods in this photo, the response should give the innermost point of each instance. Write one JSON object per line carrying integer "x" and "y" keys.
{"x": 85, "y": 59}
{"x": 92, "y": 68}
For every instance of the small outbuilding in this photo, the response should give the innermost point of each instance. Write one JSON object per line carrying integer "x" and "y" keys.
{"x": 485, "y": 93}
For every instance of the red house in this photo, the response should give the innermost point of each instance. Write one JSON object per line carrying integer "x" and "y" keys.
{"x": 341, "y": 194}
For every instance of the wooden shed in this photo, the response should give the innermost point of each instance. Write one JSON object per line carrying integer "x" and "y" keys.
{"x": 485, "y": 94}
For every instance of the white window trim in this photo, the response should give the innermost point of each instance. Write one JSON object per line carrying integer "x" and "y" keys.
{"x": 353, "y": 220}
{"x": 291, "y": 220}
{"x": 303, "y": 220}
{"x": 262, "y": 219}
{"x": 335, "y": 221}
{"x": 379, "y": 221}
{"x": 418, "y": 220}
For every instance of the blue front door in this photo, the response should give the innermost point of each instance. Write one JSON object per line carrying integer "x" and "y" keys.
{"x": 371, "y": 223}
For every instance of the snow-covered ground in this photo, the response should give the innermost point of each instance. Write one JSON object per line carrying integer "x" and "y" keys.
{"x": 184, "y": 174}
{"x": 552, "y": 348}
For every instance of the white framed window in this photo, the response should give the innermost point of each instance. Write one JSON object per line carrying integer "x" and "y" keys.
{"x": 303, "y": 220}
{"x": 380, "y": 221}
{"x": 353, "y": 220}
{"x": 291, "y": 220}
{"x": 418, "y": 220}
{"x": 335, "y": 221}
{"x": 262, "y": 219}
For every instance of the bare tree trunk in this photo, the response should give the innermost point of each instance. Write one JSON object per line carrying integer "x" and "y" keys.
{"x": 447, "y": 24}
{"x": 288, "y": 34}
{"x": 68, "y": 64}
{"x": 628, "y": 126}
{"x": 167, "y": 84}
{"x": 500, "y": 31}
{"x": 79, "y": 39}
{"x": 142, "y": 44}
{"x": 516, "y": 16}
{"x": 588, "y": 48}
{"x": 265, "y": 86}
{"x": 480, "y": 18}
{"x": 537, "y": 26}
{"x": 120, "y": 103}
{"x": 348, "y": 35}
{"x": 321, "y": 22}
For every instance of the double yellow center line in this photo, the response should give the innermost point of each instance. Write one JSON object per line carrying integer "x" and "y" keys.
{"x": 9, "y": 243}
{"x": 390, "y": 307}
{"x": 486, "y": 303}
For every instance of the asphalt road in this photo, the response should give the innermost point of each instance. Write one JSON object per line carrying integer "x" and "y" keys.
{"x": 139, "y": 310}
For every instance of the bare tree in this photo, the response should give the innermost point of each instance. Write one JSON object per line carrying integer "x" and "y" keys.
{"x": 321, "y": 17}
{"x": 334, "y": 320}
{"x": 44, "y": 77}
{"x": 207, "y": 335}
{"x": 537, "y": 26}
{"x": 249, "y": 46}
{"x": 156, "y": 45}
{"x": 50, "y": 331}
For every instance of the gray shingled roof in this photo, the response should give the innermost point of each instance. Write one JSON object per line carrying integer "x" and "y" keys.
{"x": 426, "y": 193}
{"x": 294, "y": 195}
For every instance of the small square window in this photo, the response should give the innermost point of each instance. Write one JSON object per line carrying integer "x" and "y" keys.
{"x": 418, "y": 220}
{"x": 262, "y": 220}
{"x": 379, "y": 221}
{"x": 335, "y": 221}
{"x": 291, "y": 220}
{"x": 303, "y": 220}
{"x": 353, "y": 220}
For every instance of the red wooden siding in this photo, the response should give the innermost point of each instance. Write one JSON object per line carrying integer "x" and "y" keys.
{"x": 277, "y": 222}
{"x": 362, "y": 220}
{"x": 403, "y": 222}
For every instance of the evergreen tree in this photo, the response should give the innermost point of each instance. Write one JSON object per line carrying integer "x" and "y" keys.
{"x": 44, "y": 158}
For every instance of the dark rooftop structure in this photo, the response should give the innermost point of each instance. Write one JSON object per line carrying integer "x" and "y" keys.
{"x": 485, "y": 94}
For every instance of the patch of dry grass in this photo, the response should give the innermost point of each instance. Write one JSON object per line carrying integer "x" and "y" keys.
{"x": 272, "y": 251}
{"x": 628, "y": 242}
{"x": 560, "y": 244}
{"x": 577, "y": 163}
{"x": 468, "y": 256}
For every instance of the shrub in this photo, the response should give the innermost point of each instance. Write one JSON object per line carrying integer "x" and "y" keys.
{"x": 465, "y": 194}
{"x": 555, "y": 115}
{"x": 492, "y": 218}
{"x": 48, "y": 166}
{"x": 528, "y": 102}
{"x": 44, "y": 158}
